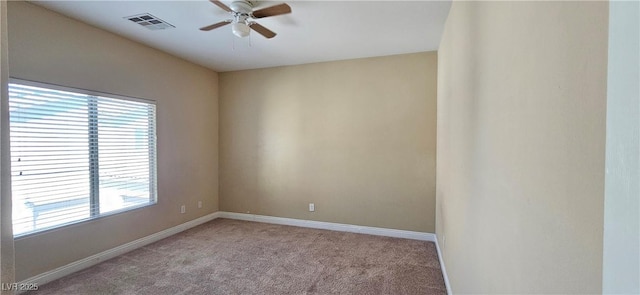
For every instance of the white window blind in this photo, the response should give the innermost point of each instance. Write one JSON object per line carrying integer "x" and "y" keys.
{"x": 77, "y": 156}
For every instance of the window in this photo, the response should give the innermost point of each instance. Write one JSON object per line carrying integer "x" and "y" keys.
{"x": 78, "y": 155}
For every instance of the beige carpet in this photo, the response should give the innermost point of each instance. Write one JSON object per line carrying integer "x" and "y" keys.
{"x": 239, "y": 257}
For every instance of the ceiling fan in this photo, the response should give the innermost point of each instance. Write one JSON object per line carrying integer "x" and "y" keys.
{"x": 243, "y": 14}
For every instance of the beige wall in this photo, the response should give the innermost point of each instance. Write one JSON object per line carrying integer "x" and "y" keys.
{"x": 47, "y": 47}
{"x": 356, "y": 137}
{"x": 521, "y": 142}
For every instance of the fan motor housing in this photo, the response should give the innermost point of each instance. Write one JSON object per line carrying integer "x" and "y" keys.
{"x": 243, "y": 7}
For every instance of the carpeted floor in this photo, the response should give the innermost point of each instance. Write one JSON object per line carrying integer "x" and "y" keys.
{"x": 238, "y": 257}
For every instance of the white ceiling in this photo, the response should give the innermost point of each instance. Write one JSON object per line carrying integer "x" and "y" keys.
{"x": 315, "y": 31}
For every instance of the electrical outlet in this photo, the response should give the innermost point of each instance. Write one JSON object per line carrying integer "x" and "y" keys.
{"x": 183, "y": 209}
{"x": 312, "y": 207}
{"x": 199, "y": 204}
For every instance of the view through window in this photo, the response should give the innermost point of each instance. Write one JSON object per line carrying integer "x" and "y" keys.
{"x": 77, "y": 156}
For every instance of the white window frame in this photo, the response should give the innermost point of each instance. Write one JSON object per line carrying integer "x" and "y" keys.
{"x": 95, "y": 214}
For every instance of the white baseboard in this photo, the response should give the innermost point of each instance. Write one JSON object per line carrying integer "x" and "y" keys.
{"x": 81, "y": 264}
{"x": 377, "y": 231}
{"x": 443, "y": 268}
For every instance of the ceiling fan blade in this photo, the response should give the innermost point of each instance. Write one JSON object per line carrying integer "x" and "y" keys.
{"x": 221, "y": 5}
{"x": 272, "y": 10}
{"x": 216, "y": 25}
{"x": 262, "y": 30}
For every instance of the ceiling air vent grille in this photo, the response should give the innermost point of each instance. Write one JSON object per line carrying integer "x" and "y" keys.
{"x": 150, "y": 22}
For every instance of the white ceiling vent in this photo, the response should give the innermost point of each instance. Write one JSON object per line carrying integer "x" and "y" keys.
{"x": 149, "y": 21}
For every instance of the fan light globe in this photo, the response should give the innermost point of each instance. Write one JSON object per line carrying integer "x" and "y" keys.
{"x": 240, "y": 29}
